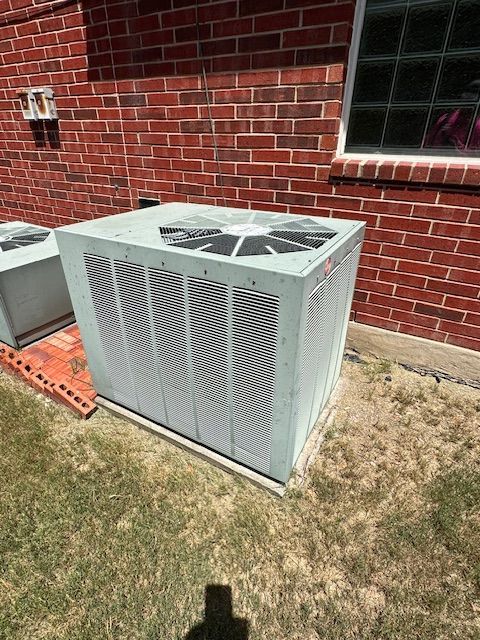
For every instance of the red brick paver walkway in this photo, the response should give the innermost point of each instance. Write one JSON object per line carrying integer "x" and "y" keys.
{"x": 57, "y": 367}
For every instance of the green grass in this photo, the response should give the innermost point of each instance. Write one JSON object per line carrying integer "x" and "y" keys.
{"x": 108, "y": 532}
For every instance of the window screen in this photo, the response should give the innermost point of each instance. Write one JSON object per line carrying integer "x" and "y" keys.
{"x": 417, "y": 83}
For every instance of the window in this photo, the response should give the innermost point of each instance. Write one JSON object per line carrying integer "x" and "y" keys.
{"x": 417, "y": 79}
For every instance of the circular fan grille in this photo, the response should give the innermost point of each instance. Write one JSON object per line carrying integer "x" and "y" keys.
{"x": 24, "y": 236}
{"x": 247, "y": 234}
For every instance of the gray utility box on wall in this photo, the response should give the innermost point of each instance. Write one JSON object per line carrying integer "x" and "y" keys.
{"x": 224, "y": 325}
{"x": 34, "y": 298}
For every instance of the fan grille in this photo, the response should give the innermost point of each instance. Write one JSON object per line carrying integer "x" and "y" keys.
{"x": 247, "y": 234}
{"x": 24, "y": 236}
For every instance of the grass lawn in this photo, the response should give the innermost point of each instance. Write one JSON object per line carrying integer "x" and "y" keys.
{"x": 108, "y": 532}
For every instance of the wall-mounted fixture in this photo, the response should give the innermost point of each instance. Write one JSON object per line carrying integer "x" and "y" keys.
{"x": 38, "y": 104}
{"x": 45, "y": 104}
{"x": 28, "y": 104}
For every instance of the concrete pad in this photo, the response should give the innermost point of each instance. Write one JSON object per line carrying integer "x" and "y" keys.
{"x": 272, "y": 486}
{"x": 312, "y": 446}
{"x": 419, "y": 352}
{"x": 305, "y": 459}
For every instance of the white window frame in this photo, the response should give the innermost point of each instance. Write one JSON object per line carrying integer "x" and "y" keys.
{"x": 347, "y": 103}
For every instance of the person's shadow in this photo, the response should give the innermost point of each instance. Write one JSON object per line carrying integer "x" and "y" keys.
{"x": 219, "y": 624}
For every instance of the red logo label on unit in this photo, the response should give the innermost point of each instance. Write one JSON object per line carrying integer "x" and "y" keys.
{"x": 328, "y": 266}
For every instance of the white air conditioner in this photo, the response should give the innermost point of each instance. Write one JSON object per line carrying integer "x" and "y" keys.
{"x": 225, "y": 325}
{"x": 34, "y": 298}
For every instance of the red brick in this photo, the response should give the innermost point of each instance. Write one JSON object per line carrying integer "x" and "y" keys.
{"x": 414, "y": 293}
{"x": 422, "y": 332}
{"x": 438, "y": 173}
{"x": 390, "y": 302}
{"x": 472, "y": 318}
{"x": 295, "y": 198}
{"x": 462, "y": 329}
{"x": 469, "y": 304}
{"x": 415, "y": 318}
{"x": 454, "y": 174}
{"x": 234, "y": 96}
{"x": 472, "y": 176}
{"x": 365, "y": 318}
{"x": 257, "y": 78}
{"x": 385, "y": 171}
{"x": 470, "y": 248}
{"x": 423, "y": 269}
{"x": 274, "y": 94}
{"x": 287, "y": 20}
{"x": 298, "y": 142}
{"x": 468, "y": 231}
{"x": 439, "y": 312}
{"x": 303, "y": 76}
{"x": 466, "y": 276}
{"x": 429, "y": 242}
{"x": 255, "y": 142}
{"x": 338, "y": 168}
{"x": 373, "y": 309}
{"x": 271, "y": 155}
{"x": 259, "y": 43}
{"x": 302, "y": 110}
{"x": 463, "y": 341}
{"x": 306, "y": 37}
{"x": 420, "y": 172}
{"x": 458, "y": 199}
{"x": 453, "y": 288}
{"x": 406, "y": 224}
{"x": 402, "y": 171}
{"x": 329, "y": 15}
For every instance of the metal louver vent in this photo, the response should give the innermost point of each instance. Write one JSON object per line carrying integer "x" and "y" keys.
{"x": 101, "y": 280}
{"x": 247, "y": 234}
{"x": 24, "y": 236}
{"x": 194, "y": 355}
{"x": 326, "y": 326}
{"x": 254, "y": 354}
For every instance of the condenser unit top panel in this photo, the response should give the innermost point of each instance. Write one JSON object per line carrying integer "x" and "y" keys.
{"x": 22, "y": 243}
{"x": 274, "y": 241}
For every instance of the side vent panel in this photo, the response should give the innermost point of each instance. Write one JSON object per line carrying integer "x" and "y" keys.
{"x": 312, "y": 361}
{"x": 341, "y": 284}
{"x": 101, "y": 281}
{"x": 169, "y": 315}
{"x": 345, "y": 312}
{"x": 137, "y": 328}
{"x": 254, "y": 357}
{"x": 334, "y": 293}
{"x": 208, "y": 317}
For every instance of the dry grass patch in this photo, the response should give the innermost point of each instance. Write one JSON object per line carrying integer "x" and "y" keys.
{"x": 108, "y": 532}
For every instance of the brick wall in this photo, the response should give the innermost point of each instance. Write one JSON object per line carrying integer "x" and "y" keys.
{"x": 134, "y": 123}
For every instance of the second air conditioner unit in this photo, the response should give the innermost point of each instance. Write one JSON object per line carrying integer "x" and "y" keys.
{"x": 34, "y": 299}
{"x": 224, "y": 325}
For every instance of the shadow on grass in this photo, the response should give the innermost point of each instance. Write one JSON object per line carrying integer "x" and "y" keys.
{"x": 219, "y": 623}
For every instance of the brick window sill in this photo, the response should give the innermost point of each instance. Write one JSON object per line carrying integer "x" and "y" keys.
{"x": 448, "y": 174}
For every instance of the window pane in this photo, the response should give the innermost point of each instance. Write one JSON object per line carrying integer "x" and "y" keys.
{"x": 449, "y": 128}
{"x": 381, "y": 32}
{"x": 459, "y": 77}
{"x": 373, "y": 81}
{"x": 405, "y": 127}
{"x": 417, "y": 84}
{"x": 366, "y": 126}
{"x": 426, "y": 28}
{"x": 415, "y": 80}
{"x": 466, "y": 28}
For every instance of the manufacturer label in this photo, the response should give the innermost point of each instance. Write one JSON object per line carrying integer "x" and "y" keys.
{"x": 328, "y": 266}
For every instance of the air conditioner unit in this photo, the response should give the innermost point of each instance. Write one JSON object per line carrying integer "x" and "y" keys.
{"x": 34, "y": 298}
{"x": 224, "y": 325}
